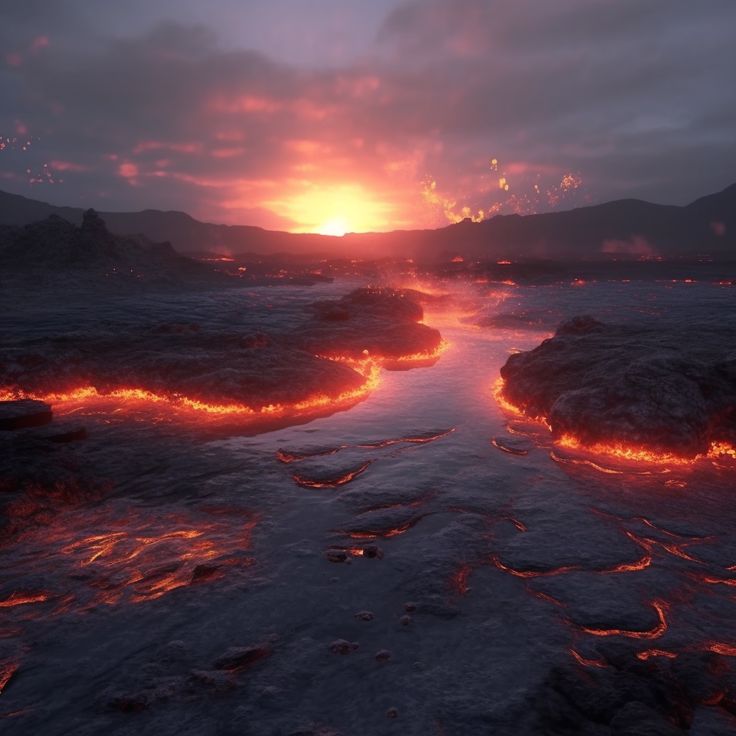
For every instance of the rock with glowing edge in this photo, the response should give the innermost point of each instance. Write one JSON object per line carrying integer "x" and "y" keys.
{"x": 666, "y": 390}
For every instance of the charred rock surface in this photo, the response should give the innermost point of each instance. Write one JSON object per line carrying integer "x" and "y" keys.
{"x": 24, "y": 413}
{"x": 667, "y": 389}
{"x": 384, "y": 323}
{"x": 214, "y": 367}
{"x": 256, "y": 369}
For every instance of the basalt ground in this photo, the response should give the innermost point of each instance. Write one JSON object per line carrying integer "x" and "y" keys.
{"x": 388, "y": 569}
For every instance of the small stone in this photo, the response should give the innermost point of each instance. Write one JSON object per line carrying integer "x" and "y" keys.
{"x": 383, "y": 655}
{"x": 342, "y": 646}
{"x": 236, "y": 658}
{"x": 410, "y": 607}
{"x": 24, "y": 413}
{"x": 334, "y": 554}
{"x": 372, "y": 551}
{"x": 365, "y": 616}
{"x": 512, "y": 445}
{"x": 392, "y": 713}
{"x": 405, "y": 620}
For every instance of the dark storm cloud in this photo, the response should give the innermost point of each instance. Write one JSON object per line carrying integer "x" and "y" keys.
{"x": 633, "y": 97}
{"x": 584, "y": 84}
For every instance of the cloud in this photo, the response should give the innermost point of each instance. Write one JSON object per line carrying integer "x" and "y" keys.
{"x": 628, "y": 98}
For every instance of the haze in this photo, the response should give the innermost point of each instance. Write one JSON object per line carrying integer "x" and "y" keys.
{"x": 331, "y": 116}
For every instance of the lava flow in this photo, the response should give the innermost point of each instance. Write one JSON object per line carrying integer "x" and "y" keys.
{"x": 129, "y": 557}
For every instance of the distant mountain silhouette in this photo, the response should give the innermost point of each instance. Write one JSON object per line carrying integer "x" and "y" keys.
{"x": 624, "y": 228}
{"x": 54, "y": 250}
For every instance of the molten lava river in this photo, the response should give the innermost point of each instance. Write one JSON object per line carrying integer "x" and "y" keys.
{"x": 425, "y": 562}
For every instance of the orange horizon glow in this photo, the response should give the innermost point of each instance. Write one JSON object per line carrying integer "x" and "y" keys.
{"x": 335, "y": 209}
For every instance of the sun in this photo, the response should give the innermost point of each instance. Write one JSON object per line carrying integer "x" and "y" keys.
{"x": 336, "y": 227}
{"x": 333, "y": 209}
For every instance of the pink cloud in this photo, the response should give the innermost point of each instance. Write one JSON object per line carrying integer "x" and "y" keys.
{"x": 67, "y": 166}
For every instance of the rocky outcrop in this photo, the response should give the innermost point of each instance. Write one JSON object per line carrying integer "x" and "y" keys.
{"x": 55, "y": 251}
{"x": 667, "y": 389}
{"x": 23, "y": 414}
{"x": 379, "y": 322}
{"x": 227, "y": 367}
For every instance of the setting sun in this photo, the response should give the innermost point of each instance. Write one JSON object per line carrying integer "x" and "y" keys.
{"x": 335, "y": 210}
{"x": 337, "y": 227}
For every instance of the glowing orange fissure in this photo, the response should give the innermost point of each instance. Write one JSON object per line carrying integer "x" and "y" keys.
{"x": 617, "y": 450}
{"x": 23, "y": 599}
{"x": 654, "y": 633}
{"x": 7, "y": 670}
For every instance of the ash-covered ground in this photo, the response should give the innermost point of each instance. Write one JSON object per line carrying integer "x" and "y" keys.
{"x": 422, "y": 563}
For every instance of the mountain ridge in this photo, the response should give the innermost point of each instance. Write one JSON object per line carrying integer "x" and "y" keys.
{"x": 620, "y": 228}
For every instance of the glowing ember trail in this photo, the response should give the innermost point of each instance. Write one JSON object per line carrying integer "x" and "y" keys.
{"x": 7, "y": 670}
{"x": 339, "y": 480}
{"x": 650, "y": 653}
{"x": 587, "y": 662}
{"x": 459, "y": 580}
{"x": 23, "y": 599}
{"x": 727, "y": 650}
{"x": 659, "y": 606}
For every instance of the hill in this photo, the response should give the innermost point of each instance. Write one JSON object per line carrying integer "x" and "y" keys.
{"x": 623, "y": 228}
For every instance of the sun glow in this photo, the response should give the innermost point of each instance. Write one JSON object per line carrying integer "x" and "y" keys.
{"x": 337, "y": 227}
{"x": 335, "y": 210}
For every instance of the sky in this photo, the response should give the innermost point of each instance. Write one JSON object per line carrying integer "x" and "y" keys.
{"x": 353, "y": 115}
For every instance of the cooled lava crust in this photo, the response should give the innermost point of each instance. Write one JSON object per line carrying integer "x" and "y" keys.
{"x": 666, "y": 389}
{"x": 218, "y": 367}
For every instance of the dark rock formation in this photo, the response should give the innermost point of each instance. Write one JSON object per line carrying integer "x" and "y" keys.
{"x": 24, "y": 413}
{"x": 378, "y": 322}
{"x": 55, "y": 251}
{"x": 217, "y": 367}
{"x": 664, "y": 388}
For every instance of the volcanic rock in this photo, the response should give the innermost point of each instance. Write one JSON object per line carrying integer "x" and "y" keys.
{"x": 236, "y": 658}
{"x": 24, "y": 413}
{"x": 56, "y": 251}
{"x": 667, "y": 389}
{"x": 342, "y": 646}
{"x": 371, "y": 322}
